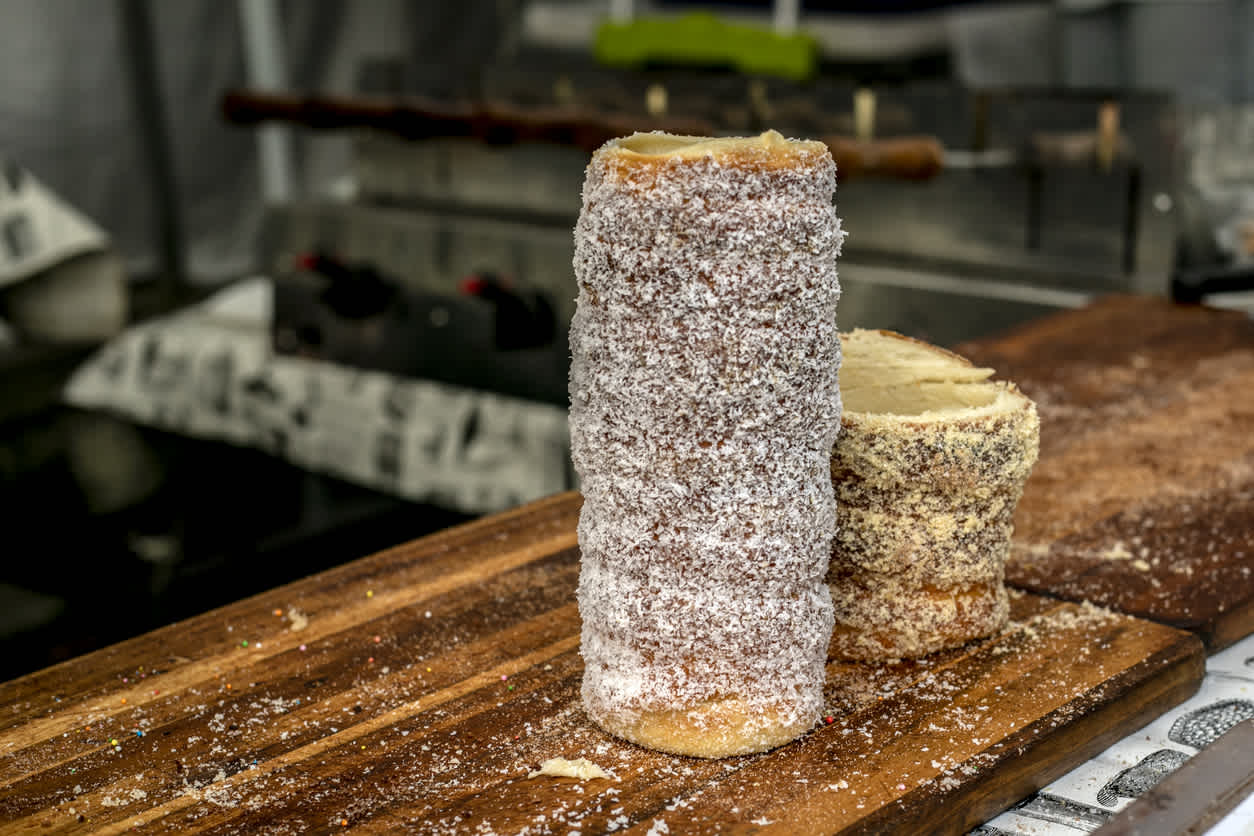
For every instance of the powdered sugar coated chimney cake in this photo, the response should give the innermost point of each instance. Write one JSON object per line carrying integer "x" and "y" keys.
{"x": 704, "y": 406}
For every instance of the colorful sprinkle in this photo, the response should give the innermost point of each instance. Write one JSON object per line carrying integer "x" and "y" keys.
{"x": 378, "y": 639}
{"x": 369, "y": 593}
{"x": 138, "y": 733}
{"x": 829, "y": 719}
{"x": 504, "y": 677}
{"x": 303, "y": 648}
{"x": 124, "y": 701}
{"x": 371, "y": 660}
{"x": 244, "y": 643}
{"x": 277, "y": 612}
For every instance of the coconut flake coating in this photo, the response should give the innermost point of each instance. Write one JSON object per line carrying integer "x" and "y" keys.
{"x": 704, "y": 406}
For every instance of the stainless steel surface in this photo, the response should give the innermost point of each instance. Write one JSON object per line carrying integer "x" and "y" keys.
{"x": 1007, "y": 206}
{"x": 430, "y": 252}
{"x": 941, "y": 308}
{"x": 1008, "y": 231}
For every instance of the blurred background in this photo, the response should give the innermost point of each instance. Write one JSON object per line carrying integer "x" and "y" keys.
{"x": 285, "y": 283}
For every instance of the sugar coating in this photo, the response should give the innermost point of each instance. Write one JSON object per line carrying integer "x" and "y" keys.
{"x": 704, "y": 405}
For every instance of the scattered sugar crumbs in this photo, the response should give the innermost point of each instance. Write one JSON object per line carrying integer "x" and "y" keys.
{"x": 584, "y": 802}
{"x": 297, "y": 620}
{"x": 1085, "y": 616}
{"x": 1082, "y": 616}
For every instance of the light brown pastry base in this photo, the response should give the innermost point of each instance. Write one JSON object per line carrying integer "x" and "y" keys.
{"x": 914, "y": 621}
{"x": 643, "y": 153}
{"x": 711, "y": 729}
{"x": 929, "y": 466}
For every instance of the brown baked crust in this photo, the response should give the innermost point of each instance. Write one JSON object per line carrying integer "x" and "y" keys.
{"x": 926, "y": 504}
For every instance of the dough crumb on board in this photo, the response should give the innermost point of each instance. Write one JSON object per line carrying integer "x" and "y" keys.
{"x": 299, "y": 621}
{"x": 581, "y": 768}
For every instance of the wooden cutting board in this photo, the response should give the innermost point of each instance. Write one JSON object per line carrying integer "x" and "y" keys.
{"x": 414, "y": 691}
{"x": 1143, "y": 497}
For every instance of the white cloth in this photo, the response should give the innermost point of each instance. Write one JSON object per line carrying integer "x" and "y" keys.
{"x": 37, "y": 228}
{"x": 209, "y": 372}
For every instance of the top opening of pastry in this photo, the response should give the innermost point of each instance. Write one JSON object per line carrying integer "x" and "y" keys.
{"x": 672, "y": 145}
{"x": 919, "y": 398}
{"x": 883, "y": 373}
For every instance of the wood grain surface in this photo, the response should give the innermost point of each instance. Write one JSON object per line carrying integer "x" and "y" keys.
{"x": 414, "y": 691}
{"x": 1143, "y": 497}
